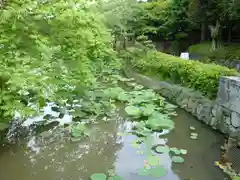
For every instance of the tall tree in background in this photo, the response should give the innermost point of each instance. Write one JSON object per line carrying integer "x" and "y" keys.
{"x": 117, "y": 14}
{"x": 230, "y": 14}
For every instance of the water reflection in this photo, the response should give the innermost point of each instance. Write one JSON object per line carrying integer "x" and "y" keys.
{"x": 47, "y": 110}
{"x": 62, "y": 159}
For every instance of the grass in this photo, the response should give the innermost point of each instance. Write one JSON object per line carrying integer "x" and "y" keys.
{"x": 227, "y": 52}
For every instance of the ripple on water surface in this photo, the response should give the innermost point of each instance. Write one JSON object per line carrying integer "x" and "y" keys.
{"x": 105, "y": 149}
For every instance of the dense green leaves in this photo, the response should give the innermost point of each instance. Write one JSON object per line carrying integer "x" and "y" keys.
{"x": 49, "y": 53}
{"x": 158, "y": 121}
{"x": 133, "y": 111}
{"x": 196, "y": 75}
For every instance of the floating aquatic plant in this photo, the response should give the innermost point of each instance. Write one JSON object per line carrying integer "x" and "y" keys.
{"x": 177, "y": 159}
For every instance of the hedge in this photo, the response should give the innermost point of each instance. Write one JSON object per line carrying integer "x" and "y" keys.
{"x": 192, "y": 74}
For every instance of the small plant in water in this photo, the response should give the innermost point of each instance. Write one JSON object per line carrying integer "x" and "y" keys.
{"x": 193, "y": 135}
{"x": 111, "y": 175}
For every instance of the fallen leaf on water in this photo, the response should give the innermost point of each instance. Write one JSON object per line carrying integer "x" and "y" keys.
{"x": 192, "y": 128}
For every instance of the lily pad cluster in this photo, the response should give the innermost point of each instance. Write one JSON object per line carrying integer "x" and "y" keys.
{"x": 143, "y": 105}
{"x": 111, "y": 175}
{"x": 174, "y": 152}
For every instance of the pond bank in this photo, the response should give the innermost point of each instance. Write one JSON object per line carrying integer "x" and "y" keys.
{"x": 208, "y": 111}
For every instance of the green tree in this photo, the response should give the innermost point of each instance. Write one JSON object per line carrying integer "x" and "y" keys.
{"x": 49, "y": 52}
{"x": 117, "y": 14}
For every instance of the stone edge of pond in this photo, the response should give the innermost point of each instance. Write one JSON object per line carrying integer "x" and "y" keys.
{"x": 204, "y": 109}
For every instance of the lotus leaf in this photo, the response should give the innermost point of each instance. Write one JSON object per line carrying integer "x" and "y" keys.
{"x": 143, "y": 132}
{"x": 153, "y": 160}
{"x": 158, "y": 121}
{"x": 133, "y": 111}
{"x": 162, "y": 149}
{"x": 98, "y": 176}
{"x": 148, "y": 109}
{"x": 183, "y": 151}
{"x": 175, "y": 150}
{"x": 78, "y": 113}
{"x": 78, "y": 130}
{"x": 123, "y": 96}
{"x": 177, "y": 159}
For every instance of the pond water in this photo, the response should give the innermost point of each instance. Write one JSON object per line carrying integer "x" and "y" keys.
{"x": 108, "y": 148}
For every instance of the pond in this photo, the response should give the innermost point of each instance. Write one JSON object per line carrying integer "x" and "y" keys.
{"x": 105, "y": 150}
{"x": 112, "y": 148}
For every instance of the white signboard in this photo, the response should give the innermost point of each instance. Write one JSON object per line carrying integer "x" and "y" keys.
{"x": 184, "y": 55}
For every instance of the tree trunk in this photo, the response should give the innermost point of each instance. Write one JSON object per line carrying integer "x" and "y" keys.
{"x": 215, "y": 31}
{"x": 203, "y": 30}
{"x": 213, "y": 44}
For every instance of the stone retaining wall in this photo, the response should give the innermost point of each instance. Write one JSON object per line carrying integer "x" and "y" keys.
{"x": 222, "y": 114}
{"x": 228, "y": 106}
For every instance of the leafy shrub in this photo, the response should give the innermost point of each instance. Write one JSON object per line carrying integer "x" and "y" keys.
{"x": 49, "y": 52}
{"x": 193, "y": 74}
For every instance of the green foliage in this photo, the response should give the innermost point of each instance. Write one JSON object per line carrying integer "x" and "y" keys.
{"x": 158, "y": 121}
{"x": 102, "y": 176}
{"x": 193, "y": 74}
{"x": 133, "y": 111}
{"x": 166, "y": 20}
{"x": 175, "y": 150}
{"x": 229, "y": 52}
{"x": 79, "y": 130}
{"x": 98, "y": 176}
{"x": 230, "y": 9}
{"x": 141, "y": 130}
{"x": 177, "y": 159}
{"x": 176, "y": 22}
{"x": 49, "y": 53}
{"x": 162, "y": 149}
{"x": 148, "y": 18}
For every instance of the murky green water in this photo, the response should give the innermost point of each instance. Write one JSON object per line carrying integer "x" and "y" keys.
{"x": 65, "y": 160}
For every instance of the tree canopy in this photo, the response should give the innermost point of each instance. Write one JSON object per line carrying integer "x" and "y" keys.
{"x": 49, "y": 49}
{"x": 175, "y": 19}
